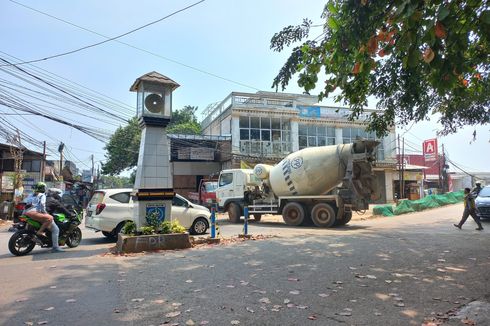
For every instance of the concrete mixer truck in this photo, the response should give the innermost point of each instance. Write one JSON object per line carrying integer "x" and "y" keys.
{"x": 323, "y": 185}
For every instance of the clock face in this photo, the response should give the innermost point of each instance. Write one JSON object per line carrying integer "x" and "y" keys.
{"x": 154, "y": 103}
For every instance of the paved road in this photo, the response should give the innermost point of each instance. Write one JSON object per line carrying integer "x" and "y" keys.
{"x": 387, "y": 271}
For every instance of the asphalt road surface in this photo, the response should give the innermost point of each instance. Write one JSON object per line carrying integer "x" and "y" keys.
{"x": 387, "y": 271}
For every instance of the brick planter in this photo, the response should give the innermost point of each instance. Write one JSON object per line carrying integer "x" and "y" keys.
{"x": 139, "y": 243}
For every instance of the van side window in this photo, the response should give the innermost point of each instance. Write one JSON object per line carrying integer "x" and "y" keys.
{"x": 225, "y": 179}
{"x": 122, "y": 197}
{"x": 178, "y": 202}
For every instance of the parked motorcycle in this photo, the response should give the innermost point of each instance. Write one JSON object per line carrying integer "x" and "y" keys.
{"x": 25, "y": 239}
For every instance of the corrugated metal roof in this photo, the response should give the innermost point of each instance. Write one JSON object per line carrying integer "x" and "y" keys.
{"x": 156, "y": 78}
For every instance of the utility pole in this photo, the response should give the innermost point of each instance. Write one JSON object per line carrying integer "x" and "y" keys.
{"x": 403, "y": 168}
{"x": 93, "y": 169}
{"x": 43, "y": 162}
{"x": 399, "y": 170}
{"x": 60, "y": 149}
{"x": 444, "y": 176}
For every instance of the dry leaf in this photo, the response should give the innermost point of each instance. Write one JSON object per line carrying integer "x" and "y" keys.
{"x": 53, "y": 287}
{"x": 176, "y": 304}
{"x": 137, "y": 300}
{"x": 172, "y": 314}
{"x": 286, "y": 301}
{"x": 290, "y": 305}
{"x": 230, "y": 286}
{"x": 293, "y": 279}
{"x": 312, "y": 317}
{"x": 302, "y": 307}
{"x": 345, "y": 313}
{"x": 49, "y": 309}
{"x": 190, "y": 322}
{"x": 158, "y": 301}
{"x": 250, "y": 310}
{"x": 71, "y": 300}
{"x": 44, "y": 322}
{"x": 323, "y": 295}
{"x": 116, "y": 311}
{"x": 204, "y": 322}
{"x": 235, "y": 322}
{"x": 188, "y": 281}
{"x": 399, "y": 304}
{"x": 377, "y": 314}
{"x": 264, "y": 300}
{"x": 21, "y": 299}
{"x": 372, "y": 277}
{"x": 28, "y": 323}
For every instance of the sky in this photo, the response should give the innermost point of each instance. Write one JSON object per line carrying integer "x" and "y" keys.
{"x": 211, "y": 49}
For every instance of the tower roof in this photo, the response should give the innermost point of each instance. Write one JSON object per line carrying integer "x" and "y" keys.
{"x": 154, "y": 78}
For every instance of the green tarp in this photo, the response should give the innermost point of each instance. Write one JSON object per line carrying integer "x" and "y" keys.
{"x": 409, "y": 206}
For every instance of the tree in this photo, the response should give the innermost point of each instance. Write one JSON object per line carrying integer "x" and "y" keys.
{"x": 415, "y": 57}
{"x": 123, "y": 147}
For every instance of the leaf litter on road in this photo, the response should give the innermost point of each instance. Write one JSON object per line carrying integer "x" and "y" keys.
{"x": 172, "y": 314}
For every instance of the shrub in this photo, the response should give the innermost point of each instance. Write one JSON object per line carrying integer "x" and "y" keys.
{"x": 167, "y": 227}
{"x": 129, "y": 228}
{"x": 147, "y": 230}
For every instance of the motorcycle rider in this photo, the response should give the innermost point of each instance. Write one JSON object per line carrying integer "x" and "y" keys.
{"x": 37, "y": 211}
{"x": 54, "y": 204}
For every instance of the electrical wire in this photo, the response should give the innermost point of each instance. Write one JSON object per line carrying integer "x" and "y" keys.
{"x": 105, "y": 41}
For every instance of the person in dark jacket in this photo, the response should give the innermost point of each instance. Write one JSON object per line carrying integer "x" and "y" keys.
{"x": 476, "y": 190}
{"x": 54, "y": 204}
{"x": 469, "y": 209}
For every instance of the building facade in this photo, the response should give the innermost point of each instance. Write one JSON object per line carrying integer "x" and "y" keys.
{"x": 266, "y": 126}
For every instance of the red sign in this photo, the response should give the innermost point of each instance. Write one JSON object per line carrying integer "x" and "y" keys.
{"x": 430, "y": 149}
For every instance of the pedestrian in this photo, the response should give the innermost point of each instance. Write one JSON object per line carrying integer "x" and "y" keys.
{"x": 469, "y": 209}
{"x": 476, "y": 190}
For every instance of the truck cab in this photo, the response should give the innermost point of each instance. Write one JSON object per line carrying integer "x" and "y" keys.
{"x": 232, "y": 184}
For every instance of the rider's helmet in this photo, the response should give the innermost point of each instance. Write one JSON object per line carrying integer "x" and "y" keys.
{"x": 40, "y": 187}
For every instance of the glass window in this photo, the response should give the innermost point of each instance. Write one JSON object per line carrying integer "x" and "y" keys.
{"x": 254, "y": 122}
{"x": 26, "y": 165}
{"x": 311, "y": 130}
{"x": 303, "y": 141}
{"x": 285, "y": 125}
{"x": 276, "y": 135}
{"x": 322, "y": 141}
{"x": 311, "y": 141}
{"x": 179, "y": 202}
{"x": 285, "y": 136}
{"x": 122, "y": 197}
{"x": 265, "y": 123}
{"x": 321, "y": 131}
{"x": 275, "y": 123}
{"x": 97, "y": 197}
{"x": 330, "y": 132}
{"x": 331, "y": 141}
{"x": 255, "y": 134}
{"x": 302, "y": 130}
{"x": 244, "y": 134}
{"x": 36, "y": 166}
{"x": 244, "y": 123}
{"x": 225, "y": 179}
{"x": 346, "y": 133}
{"x": 266, "y": 135}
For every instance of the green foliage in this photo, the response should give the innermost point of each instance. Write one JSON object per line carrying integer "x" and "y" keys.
{"x": 109, "y": 181}
{"x": 129, "y": 228}
{"x": 147, "y": 230}
{"x": 152, "y": 219}
{"x": 415, "y": 57}
{"x": 167, "y": 227}
{"x": 123, "y": 147}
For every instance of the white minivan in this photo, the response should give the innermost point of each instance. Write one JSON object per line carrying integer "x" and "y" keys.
{"x": 109, "y": 209}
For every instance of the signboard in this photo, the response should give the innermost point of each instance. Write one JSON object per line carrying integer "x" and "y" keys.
{"x": 87, "y": 176}
{"x": 429, "y": 148}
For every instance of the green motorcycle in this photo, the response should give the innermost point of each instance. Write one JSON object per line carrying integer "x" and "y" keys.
{"x": 25, "y": 239}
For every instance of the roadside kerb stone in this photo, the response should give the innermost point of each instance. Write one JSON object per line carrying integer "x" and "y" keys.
{"x": 139, "y": 243}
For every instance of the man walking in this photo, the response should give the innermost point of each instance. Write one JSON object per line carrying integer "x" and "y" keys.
{"x": 469, "y": 209}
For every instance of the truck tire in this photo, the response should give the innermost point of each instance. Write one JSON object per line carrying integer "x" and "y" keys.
{"x": 234, "y": 212}
{"x": 323, "y": 215}
{"x": 293, "y": 214}
{"x": 346, "y": 219}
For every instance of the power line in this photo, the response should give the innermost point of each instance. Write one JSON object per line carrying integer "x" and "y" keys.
{"x": 105, "y": 41}
{"x": 140, "y": 49}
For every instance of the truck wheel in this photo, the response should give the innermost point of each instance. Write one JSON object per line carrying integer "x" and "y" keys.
{"x": 257, "y": 217}
{"x": 234, "y": 213}
{"x": 323, "y": 215}
{"x": 346, "y": 219}
{"x": 293, "y": 214}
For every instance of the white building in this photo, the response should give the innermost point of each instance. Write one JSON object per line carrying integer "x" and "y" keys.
{"x": 266, "y": 126}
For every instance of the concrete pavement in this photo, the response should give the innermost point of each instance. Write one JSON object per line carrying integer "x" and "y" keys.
{"x": 387, "y": 271}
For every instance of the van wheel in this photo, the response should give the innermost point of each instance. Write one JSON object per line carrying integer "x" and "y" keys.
{"x": 323, "y": 215}
{"x": 293, "y": 214}
{"x": 199, "y": 226}
{"x": 114, "y": 234}
{"x": 234, "y": 213}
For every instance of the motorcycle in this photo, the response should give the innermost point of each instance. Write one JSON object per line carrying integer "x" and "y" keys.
{"x": 26, "y": 238}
